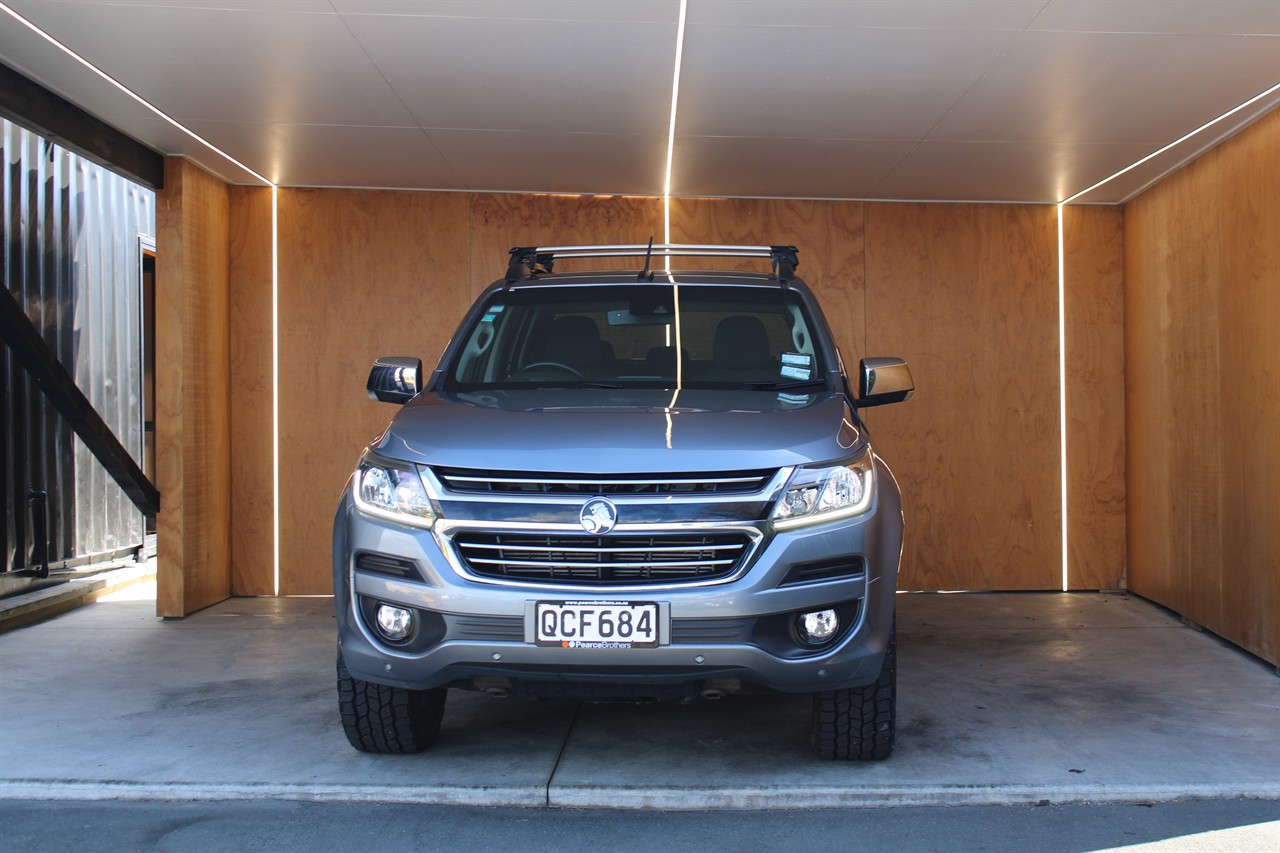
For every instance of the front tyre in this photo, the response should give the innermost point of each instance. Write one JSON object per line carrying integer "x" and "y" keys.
{"x": 857, "y": 723}
{"x": 377, "y": 718}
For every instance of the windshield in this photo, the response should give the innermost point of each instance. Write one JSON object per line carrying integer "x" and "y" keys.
{"x": 639, "y": 336}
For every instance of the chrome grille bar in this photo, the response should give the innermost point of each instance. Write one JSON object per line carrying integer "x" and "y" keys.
{"x": 572, "y": 549}
{"x": 605, "y": 560}
{"x": 612, "y": 564}
{"x": 593, "y": 481}
{"x": 472, "y": 481}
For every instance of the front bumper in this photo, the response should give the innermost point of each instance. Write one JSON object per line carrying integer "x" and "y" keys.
{"x": 727, "y": 635}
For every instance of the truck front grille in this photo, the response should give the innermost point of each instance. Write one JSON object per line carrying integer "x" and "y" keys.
{"x": 525, "y": 483}
{"x": 601, "y": 560}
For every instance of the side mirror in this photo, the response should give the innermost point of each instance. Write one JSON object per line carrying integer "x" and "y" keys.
{"x": 884, "y": 380}
{"x": 395, "y": 380}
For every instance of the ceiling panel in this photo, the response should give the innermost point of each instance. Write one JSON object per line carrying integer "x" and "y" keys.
{"x": 30, "y": 55}
{"x": 336, "y": 155}
{"x": 313, "y": 7}
{"x": 1229, "y": 17}
{"x": 633, "y": 11}
{"x": 512, "y": 161}
{"x": 216, "y": 64}
{"x": 1017, "y": 100}
{"x": 888, "y": 14}
{"x": 827, "y": 83}
{"x": 1006, "y": 171}
{"x": 1143, "y": 175}
{"x": 25, "y": 51}
{"x": 783, "y": 168}
{"x": 1110, "y": 87}
{"x": 496, "y": 74}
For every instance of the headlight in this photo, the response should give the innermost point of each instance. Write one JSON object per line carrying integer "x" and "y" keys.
{"x": 390, "y": 492}
{"x": 824, "y": 494}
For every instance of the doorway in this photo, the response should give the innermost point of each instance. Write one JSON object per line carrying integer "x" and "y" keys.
{"x": 148, "y": 281}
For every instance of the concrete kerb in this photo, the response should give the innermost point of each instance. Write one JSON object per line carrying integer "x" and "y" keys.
{"x": 675, "y": 799}
{"x": 39, "y": 789}
{"x": 622, "y": 798}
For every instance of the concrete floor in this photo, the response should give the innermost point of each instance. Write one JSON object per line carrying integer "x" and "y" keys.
{"x": 1019, "y": 698}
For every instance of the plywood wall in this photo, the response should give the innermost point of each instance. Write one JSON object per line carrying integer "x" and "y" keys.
{"x": 362, "y": 274}
{"x": 1202, "y": 309}
{"x": 1093, "y": 278}
{"x": 252, "y": 534}
{"x": 500, "y": 222}
{"x": 967, "y": 293}
{"x": 192, "y": 389}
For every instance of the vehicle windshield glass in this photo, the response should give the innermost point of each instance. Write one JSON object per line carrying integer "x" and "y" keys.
{"x": 639, "y": 336}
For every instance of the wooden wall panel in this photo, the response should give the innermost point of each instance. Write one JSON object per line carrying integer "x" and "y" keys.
{"x": 192, "y": 390}
{"x": 967, "y": 293}
{"x": 1150, "y": 431}
{"x": 362, "y": 273}
{"x": 1249, "y": 381}
{"x": 830, "y": 238}
{"x": 252, "y": 534}
{"x": 1202, "y": 281}
{"x": 499, "y": 222}
{"x": 1172, "y": 287}
{"x": 1093, "y": 261}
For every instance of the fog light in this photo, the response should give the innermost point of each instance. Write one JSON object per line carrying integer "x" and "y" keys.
{"x": 819, "y": 626}
{"x": 394, "y": 623}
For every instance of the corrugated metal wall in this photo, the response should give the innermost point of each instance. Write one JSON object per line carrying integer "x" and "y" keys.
{"x": 72, "y": 258}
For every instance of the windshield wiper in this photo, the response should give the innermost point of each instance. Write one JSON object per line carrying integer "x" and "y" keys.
{"x": 783, "y": 386}
{"x": 573, "y": 386}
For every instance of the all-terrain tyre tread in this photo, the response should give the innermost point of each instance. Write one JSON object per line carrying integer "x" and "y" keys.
{"x": 390, "y": 720}
{"x": 857, "y": 723}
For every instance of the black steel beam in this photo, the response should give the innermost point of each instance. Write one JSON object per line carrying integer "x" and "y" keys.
{"x": 31, "y": 105}
{"x": 41, "y": 363}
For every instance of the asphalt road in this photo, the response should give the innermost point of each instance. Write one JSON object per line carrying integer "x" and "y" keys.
{"x": 1209, "y": 826}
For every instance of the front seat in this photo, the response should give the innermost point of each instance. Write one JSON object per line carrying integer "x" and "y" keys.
{"x": 575, "y": 340}
{"x": 741, "y": 350}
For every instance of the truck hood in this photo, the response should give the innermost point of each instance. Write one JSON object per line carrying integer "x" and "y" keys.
{"x": 602, "y": 431}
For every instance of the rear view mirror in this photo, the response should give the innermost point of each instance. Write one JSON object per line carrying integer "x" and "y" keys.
{"x": 395, "y": 379}
{"x": 647, "y": 310}
{"x": 884, "y": 380}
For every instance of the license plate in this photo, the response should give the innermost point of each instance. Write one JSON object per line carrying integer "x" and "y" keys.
{"x": 597, "y": 624}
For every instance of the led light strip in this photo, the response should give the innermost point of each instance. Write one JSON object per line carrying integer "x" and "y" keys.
{"x": 275, "y": 391}
{"x": 666, "y": 209}
{"x": 1062, "y": 300}
{"x": 275, "y": 289}
{"x": 671, "y": 130}
{"x": 1062, "y": 390}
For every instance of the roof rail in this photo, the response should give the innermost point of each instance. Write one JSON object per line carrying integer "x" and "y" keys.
{"x": 534, "y": 260}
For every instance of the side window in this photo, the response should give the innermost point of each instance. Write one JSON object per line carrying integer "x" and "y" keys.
{"x": 474, "y": 363}
{"x": 801, "y": 337}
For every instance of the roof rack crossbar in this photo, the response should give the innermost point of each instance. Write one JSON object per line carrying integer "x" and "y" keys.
{"x": 532, "y": 260}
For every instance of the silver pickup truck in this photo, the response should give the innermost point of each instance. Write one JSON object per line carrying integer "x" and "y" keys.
{"x": 636, "y": 485}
